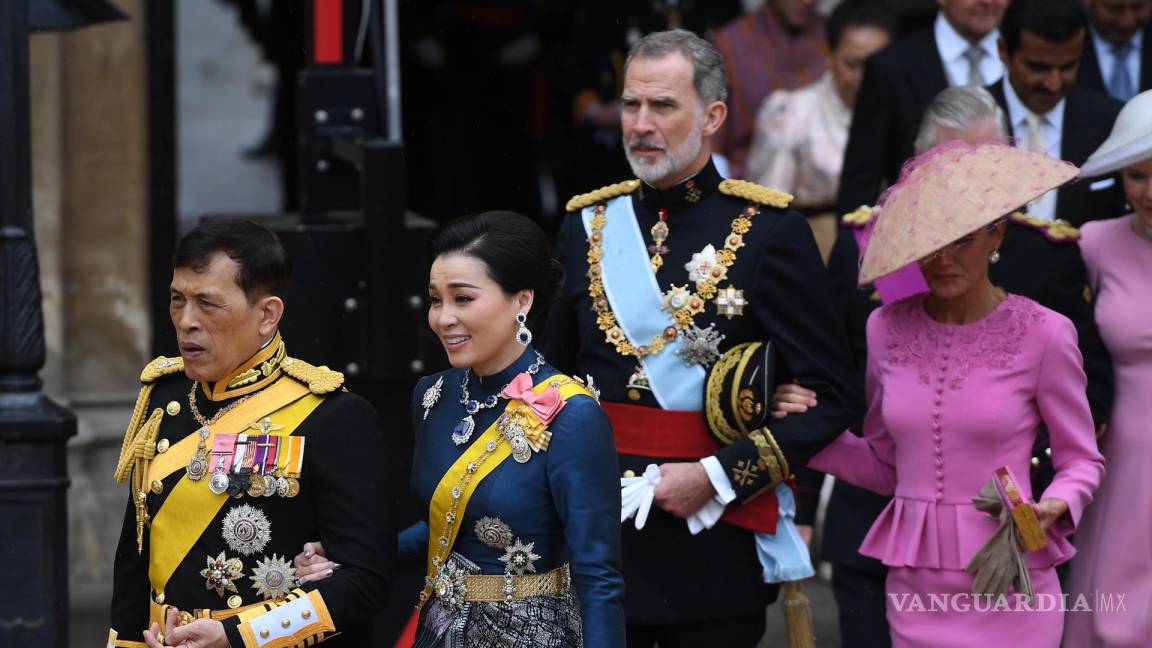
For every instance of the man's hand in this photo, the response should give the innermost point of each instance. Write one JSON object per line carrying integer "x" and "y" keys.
{"x": 791, "y": 399}
{"x": 201, "y": 633}
{"x": 1049, "y": 510}
{"x": 312, "y": 563}
{"x": 683, "y": 488}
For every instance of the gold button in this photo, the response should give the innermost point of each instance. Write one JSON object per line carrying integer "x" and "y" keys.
{"x": 157, "y": 486}
{"x": 633, "y": 395}
{"x": 234, "y": 601}
{"x": 629, "y": 473}
{"x": 285, "y": 623}
{"x": 162, "y": 446}
{"x": 173, "y": 408}
{"x": 264, "y": 633}
{"x": 307, "y": 614}
{"x": 160, "y": 598}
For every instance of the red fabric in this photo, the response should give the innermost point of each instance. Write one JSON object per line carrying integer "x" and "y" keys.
{"x": 408, "y": 634}
{"x": 681, "y": 434}
{"x": 327, "y": 31}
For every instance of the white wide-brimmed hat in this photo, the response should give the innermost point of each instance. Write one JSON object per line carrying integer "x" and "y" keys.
{"x": 1129, "y": 142}
{"x": 951, "y": 191}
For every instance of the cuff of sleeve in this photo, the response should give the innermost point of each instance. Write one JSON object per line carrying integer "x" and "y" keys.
{"x": 299, "y": 619}
{"x": 113, "y": 642}
{"x": 724, "y": 491}
{"x": 771, "y": 454}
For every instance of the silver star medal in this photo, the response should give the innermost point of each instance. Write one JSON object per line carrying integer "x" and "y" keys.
{"x": 246, "y": 530}
{"x": 519, "y": 558}
{"x": 432, "y": 396}
{"x": 273, "y": 577}
{"x": 700, "y": 346}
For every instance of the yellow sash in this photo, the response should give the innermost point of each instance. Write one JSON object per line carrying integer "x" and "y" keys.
{"x": 191, "y": 507}
{"x": 442, "y": 528}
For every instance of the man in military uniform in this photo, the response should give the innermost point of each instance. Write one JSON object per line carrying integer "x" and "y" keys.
{"x": 663, "y": 275}
{"x": 237, "y": 454}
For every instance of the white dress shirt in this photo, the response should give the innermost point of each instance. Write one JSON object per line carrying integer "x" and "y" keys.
{"x": 952, "y": 46}
{"x": 1107, "y": 59}
{"x": 1051, "y": 130}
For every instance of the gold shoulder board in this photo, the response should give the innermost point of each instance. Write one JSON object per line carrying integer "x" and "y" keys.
{"x": 160, "y": 367}
{"x": 859, "y": 217}
{"x": 755, "y": 193}
{"x": 320, "y": 380}
{"x": 600, "y": 195}
{"x": 1057, "y": 231}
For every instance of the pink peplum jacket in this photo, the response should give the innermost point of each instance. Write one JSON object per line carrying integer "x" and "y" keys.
{"x": 947, "y": 405}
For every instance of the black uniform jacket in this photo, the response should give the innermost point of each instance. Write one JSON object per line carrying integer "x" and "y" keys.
{"x": 344, "y": 501}
{"x": 670, "y": 575}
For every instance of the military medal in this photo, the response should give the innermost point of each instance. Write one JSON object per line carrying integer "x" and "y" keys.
{"x": 198, "y": 465}
{"x": 493, "y": 532}
{"x": 244, "y": 454}
{"x": 432, "y": 396}
{"x": 221, "y": 573}
{"x": 222, "y": 452}
{"x": 246, "y": 530}
{"x": 271, "y": 465}
{"x": 659, "y": 233}
{"x": 288, "y": 484}
{"x": 519, "y": 558}
{"x": 273, "y": 577}
{"x": 730, "y": 302}
{"x": 700, "y": 346}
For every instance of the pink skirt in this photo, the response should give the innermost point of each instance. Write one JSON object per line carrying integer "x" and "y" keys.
{"x": 935, "y": 608}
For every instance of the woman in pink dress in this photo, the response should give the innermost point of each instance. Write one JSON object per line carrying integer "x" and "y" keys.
{"x": 957, "y": 381}
{"x": 1114, "y": 567}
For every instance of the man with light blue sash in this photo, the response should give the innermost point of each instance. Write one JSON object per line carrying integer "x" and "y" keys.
{"x": 681, "y": 286}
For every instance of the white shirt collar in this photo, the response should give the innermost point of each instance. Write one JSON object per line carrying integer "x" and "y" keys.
{"x": 1017, "y": 111}
{"x": 952, "y": 45}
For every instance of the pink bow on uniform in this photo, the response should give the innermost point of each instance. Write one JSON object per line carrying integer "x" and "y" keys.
{"x": 545, "y": 405}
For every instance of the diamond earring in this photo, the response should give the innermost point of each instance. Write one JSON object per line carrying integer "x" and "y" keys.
{"x": 994, "y": 257}
{"x": 523, "y": 335}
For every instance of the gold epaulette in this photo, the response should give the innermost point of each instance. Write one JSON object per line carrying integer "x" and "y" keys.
{"x": 753, "y": 192}
{"x": 320, "y": 380}
{"x": 859, "y": 217}
{"x": 600, "y": 195}
{"x": 1057, "y": 231}
{"x": 160, "y": 367}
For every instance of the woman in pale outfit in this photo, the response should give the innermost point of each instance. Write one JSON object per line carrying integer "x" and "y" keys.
{"x": 800, "y": 135}
{"x": 1114, "y": 561}
{"x": 958, "y": 379}
{"x": 514, "y": 461}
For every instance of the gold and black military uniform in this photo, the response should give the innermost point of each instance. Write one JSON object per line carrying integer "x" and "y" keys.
{"x": 229, "y": 480}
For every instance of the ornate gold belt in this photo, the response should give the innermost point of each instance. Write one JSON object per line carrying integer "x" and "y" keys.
{"x": 507, "y": 587}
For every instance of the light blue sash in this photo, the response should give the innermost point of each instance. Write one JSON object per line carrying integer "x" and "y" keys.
{"x": 784, "y": 555}
{"x": 632, "y": 292}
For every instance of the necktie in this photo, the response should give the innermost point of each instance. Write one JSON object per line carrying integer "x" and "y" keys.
{"x": 1035, "y": 138}
{"x": 1120, "y": 82}
{"x": 973, "y": 54}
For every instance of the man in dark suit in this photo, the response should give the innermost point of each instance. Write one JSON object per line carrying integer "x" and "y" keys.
{"x": 1118, "y": 51}
{"x": 1040, "y": 44}
{"x": 901, "y": 80}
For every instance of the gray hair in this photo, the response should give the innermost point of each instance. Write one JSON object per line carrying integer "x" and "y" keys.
{"x": 709, "y": 75}
{"x": 958, "y": 108}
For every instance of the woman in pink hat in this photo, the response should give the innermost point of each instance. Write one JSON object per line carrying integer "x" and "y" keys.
{"x": 1115, "y": 560}
{"x": 958, "y": 379}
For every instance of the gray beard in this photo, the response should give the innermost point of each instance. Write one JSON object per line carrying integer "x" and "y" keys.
{"x": 674, "y": 162}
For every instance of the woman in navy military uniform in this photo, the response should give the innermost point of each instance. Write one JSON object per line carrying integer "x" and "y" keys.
{"x": 515, "y": 460}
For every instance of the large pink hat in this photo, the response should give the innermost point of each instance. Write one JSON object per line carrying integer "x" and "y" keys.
{"x": 951, "y": 191}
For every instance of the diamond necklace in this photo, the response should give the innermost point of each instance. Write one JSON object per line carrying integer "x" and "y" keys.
{"x": 463, "y": 430}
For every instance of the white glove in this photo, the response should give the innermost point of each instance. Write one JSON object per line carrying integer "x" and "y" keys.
{"x": 636, "y": 495}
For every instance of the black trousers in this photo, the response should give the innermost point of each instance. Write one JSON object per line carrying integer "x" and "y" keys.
{"x": 733, "y": 632}
{"x": 862, "y": 605}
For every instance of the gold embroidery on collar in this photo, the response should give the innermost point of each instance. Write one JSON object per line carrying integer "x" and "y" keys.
{"x": 258, "y": 372}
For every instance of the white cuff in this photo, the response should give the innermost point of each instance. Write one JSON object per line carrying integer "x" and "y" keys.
{"x": 724, "y": 492}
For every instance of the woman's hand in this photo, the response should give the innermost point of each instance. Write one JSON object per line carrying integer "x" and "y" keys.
{"x": 312, "y": 563}
{"x": 1049, "y": 510}
{"x": 791, "y": 398}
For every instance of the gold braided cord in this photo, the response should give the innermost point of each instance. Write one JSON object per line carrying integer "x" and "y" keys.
{"x": 143, "y": 449}
{"x": 713, "y": 408}
{"x": 161, "y": 366}
{"x": 320, "y": 380}
{"x": 755, "y": 193}
{"x": 600, "y": 195}
{"x": 124, "y": 463}
{"x": 1056, "y": 231}
{"x": 775, "y": 473}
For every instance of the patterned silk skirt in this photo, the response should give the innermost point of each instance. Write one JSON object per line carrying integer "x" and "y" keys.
{"x": 543, "y": 621}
